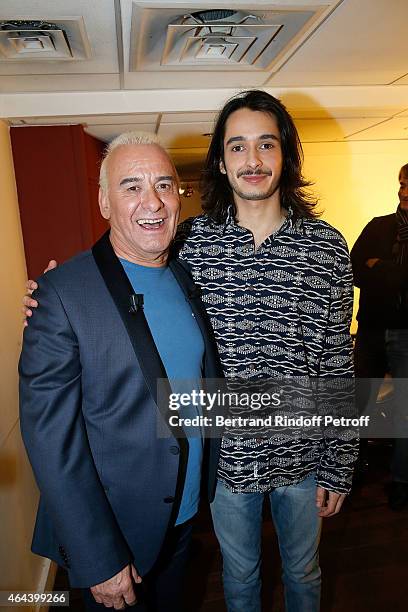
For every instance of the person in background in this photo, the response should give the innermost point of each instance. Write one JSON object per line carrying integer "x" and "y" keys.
{"x": 380, "y": 267}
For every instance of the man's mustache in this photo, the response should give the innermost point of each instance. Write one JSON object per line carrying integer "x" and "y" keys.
{"x": 254, "y": 173}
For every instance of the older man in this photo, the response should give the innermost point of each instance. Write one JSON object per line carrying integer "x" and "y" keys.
{"x": 116, "y": 499}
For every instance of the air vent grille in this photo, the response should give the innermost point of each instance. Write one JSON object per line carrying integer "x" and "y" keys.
{"x": 212, "y": 39}
{"x": 215, "y": 15}
{"x": 24, "y": 40}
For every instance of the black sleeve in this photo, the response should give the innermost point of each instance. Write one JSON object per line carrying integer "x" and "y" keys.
{"x": 386, "y": 275}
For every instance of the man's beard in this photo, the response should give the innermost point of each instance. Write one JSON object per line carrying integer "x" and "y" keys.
{"x": 255, "y": 196}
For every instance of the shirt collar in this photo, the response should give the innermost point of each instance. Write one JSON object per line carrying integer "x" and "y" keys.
{"x": 230, "y": 216}
{"x": 231, "y": 221}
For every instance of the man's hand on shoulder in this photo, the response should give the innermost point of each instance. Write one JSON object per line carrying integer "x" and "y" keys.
{"x": 118, "y": 591}
{"x": 328, "y": 502}
{"x": 31, "y": 285}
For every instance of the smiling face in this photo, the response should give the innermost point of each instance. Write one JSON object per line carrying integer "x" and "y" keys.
{"x": 252, "y": 156}
{"x": 141, "y": 203}
{"x": 403, "y": 190}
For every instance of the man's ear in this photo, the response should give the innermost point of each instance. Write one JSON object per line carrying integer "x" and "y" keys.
{"x": 222, "y": 167}
{"x": 104, "y": 206}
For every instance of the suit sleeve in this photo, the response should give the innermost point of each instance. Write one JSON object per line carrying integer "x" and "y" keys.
{"x": 336, "y": 397}
{"x": 386, "y": 275}
{"x": 55, "y": 437}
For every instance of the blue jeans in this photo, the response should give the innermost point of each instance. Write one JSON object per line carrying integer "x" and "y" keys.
{"x": 237, "y": 521}
{"x": 396, "y": 345}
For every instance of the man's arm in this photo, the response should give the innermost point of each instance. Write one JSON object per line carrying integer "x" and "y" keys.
{"x": 54, "y": 433}
{"x": 371, "y": 271}
{"x": 335, "y": 471}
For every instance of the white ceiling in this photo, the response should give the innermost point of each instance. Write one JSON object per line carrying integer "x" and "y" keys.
{"x": 345, "y": 77}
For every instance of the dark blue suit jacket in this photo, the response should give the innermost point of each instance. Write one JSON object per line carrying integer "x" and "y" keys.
{"x": 110, "y": 487}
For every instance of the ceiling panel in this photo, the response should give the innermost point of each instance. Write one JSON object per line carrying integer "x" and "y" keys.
{"x": 187, "y": 117}
{"x": 32, "y": 83}
{"x": 190, "y": 80}
{"x": 252, "y": 37}
{"x": 147, "y": 36}
{"x": 362, "y": 42}
{"x": 330, "y": 76}
{"x": 396, "y": 128}
{"x": 403, "y": 80}
{"x": 100, "y": 25}
{"x": 183, "y": 135}
{"x": 109, "y": 132}
{"x": 134, "y": 119}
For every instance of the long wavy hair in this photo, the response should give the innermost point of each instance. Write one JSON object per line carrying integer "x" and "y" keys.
{"x": 217, "y": 194}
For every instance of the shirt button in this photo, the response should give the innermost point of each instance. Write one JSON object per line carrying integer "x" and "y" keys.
{"x": 174, "y": 450}
{"x": 168, "y": 500}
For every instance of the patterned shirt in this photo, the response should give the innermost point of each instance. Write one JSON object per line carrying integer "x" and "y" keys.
{"x": 282, "y": 310}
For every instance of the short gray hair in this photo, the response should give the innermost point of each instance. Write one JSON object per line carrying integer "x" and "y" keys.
{"x": 127, "y": 138}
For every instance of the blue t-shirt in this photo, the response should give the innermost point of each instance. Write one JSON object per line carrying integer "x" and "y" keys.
{"x": 181, "y": 347}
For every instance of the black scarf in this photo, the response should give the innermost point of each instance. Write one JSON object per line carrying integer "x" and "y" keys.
{"x": 401, "y": 251}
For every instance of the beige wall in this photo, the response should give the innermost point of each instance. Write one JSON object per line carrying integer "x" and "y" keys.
{"x": 355, "y": 181}
{"x": 19, "y": 568}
